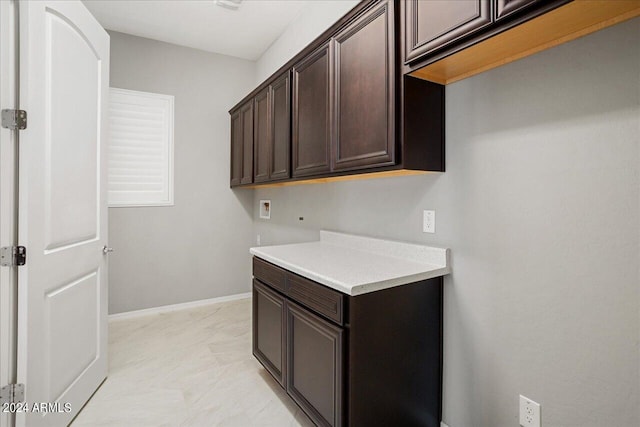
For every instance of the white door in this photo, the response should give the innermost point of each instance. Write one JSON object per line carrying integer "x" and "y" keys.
{"x": 62, "y": 289}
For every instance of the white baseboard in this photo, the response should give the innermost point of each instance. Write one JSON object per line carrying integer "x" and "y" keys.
{"x": 176, "y": 307}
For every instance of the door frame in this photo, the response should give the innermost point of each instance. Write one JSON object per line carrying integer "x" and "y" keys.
{"x": 8, "y": 195}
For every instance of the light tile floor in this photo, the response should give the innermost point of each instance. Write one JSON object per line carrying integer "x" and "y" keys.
{"x": 188, "y": 368}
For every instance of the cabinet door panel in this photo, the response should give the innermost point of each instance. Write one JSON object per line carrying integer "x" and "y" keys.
{"x": 268, "y": 330}
{"x": 433, "y": 24}
{"x": 314, "y": 365}
{"x": 311, "y": 114}
{"x": 281, "y": 128}
{"x": 261, "y": 137}
{"x": 236, "y": 148}
{"x": 507, "y": 7}
{"x": 364, "y": 92}
{"x": 247, "y": 143}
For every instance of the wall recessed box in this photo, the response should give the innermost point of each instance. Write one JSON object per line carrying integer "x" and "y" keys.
{"x": 366, "y": 98}
{"x": 265, "y": 209}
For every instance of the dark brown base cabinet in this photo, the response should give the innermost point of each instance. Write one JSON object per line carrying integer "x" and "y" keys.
{"x": 368, "y": 360}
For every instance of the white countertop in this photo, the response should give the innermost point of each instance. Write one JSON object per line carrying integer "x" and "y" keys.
{"x": 357, "y": 265}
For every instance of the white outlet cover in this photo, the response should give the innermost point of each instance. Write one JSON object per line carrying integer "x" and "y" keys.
{"x": 429, "y": 221}
{"x": 529, "y": 412}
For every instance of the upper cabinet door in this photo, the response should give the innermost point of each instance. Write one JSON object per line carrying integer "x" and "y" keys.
{"x": 505, "y": 8}
{"x": 311, "y": 113}
{"x": 246, "y": 111}
{"x": 364, "y": 92}
{"x": 433, "y": 24}
{"x": 261, "y": 136}
{"x": 279, "y": 167}
{"x": 236, "y": 148}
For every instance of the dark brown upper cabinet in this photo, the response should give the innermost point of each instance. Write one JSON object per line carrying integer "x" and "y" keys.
{"x": 505, "y": 8}
{"x": 364, "y": 99}
{"x": 341, "y": 107}
{"x": 261, "y": 137}
{"x": 434, "y": 24}
{"x": 280, "y": 158}
{"x": 311, "y": 131}
{"x": 242, "y": 144}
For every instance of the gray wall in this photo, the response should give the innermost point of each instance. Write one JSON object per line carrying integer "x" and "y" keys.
{"x": 198, "y": 248}
{"x": 314, "y": 18}
{"x": 540, "y": 207}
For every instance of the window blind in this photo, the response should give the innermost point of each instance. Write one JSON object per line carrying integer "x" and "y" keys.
{"x": 140, "y": 155}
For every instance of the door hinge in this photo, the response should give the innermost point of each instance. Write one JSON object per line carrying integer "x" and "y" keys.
{"x": 14, "y": 119}
{"x": 12, "y": 393}
{"x": 13, "y": 256}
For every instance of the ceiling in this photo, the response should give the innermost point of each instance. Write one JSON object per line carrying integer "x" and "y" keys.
{"x": 244, "y": 33}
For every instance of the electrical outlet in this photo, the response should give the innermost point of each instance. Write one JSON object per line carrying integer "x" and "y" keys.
{"x": 258, "y": 240}
{"x": 429, "y": 221}
{"x": 529, "y": 412}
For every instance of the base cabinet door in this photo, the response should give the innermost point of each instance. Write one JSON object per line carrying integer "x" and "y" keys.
{"x": 315, "y": 357}
{"x": 269, "y": 330}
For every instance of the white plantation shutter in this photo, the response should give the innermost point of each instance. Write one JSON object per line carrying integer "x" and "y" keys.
{"x": 140, "y": 149}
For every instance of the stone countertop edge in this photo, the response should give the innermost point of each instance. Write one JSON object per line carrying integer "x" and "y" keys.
{"x": 434, "y": 262}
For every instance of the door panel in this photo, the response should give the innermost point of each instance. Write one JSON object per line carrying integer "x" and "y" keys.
{"x": 71, "y": 213}
{"x": 62, "y": 309}
{"x": 269, "y": 330}
{"x": 281, "y": 128}
{"x": 72, "y": 322}
{"x": 247, "y": 143}
{"x": 236, "y": 148}
{"x": 364, "y": 92}
{"x": 311, "y": 114}
{"x": 314, "y": 365}
{"x": 433, "y": 24}
{"x": 261, "y": 137}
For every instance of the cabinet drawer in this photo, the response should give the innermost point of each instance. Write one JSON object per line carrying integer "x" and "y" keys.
{"x": 315, "y": 296}
{"x": 269, "y": 274}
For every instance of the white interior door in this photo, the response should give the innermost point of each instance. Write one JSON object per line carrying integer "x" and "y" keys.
{"x": 62, "y": 289}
